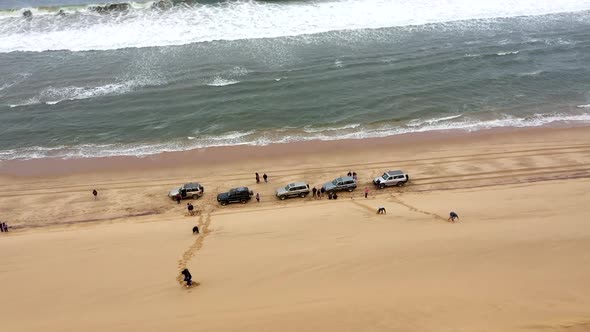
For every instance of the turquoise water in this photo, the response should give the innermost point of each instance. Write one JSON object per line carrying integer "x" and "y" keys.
{"x": 245, "y": 72}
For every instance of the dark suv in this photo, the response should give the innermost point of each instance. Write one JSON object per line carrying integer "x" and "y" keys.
{"x": 242, "y": 195}
{"x": 343, "y": 183}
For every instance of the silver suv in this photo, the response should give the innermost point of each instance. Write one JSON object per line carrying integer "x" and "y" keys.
{"x": 295, "y": 189}
{"x": 190, "y": 190}
{"x": 343, "y": 183}
{"x": 391, "y": 178}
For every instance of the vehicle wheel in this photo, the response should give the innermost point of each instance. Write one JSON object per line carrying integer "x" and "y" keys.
{"x": 331, "y": 192}
{"x": 350, "y": 190}
{"x": 302, "y": 195}
{"x": 381, "y": 186}
{"x": 195, "y": 196}
{"x": 283, "y": 197}
{"x": 400, "y": 184}
{"x": 243, "y": 201}
{"x": 223, "y": 203}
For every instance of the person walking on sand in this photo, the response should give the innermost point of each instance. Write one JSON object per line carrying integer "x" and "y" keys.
{"x": 5, "y": 227}
{"x": 258, "y": 197}
{"x": 187, "y": 277}
{"x": 321, "y": 192}
{"x": 95, "y": 194}
{"x": 265, "y": 177}
{"x": 314, "y": 192}
{"x": 257, "y": 178}
{"x": 354, "y": 176}
{"x": 453, "y": 216}
{"x": 366, "y": 192}
{"x": 178, "y": 198}
{"x": 2, "y": 227}
{"x": 190, "y": 209}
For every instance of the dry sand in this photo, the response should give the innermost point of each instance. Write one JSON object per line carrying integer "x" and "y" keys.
{"x": 518, "y": 260}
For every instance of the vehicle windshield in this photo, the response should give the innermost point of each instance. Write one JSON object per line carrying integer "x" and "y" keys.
{"x": 232, "y": 191}
{"x": 287, "y": 188}
{"x": 385, "y": 175}
{"x": 335, "y": 182}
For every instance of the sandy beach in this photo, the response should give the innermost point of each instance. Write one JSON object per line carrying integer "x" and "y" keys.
{"x": 518, "y": 259}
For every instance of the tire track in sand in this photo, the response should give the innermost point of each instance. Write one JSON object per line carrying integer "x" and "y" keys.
{"x": 415, "y": 209}
{"x": 190, "y": 252}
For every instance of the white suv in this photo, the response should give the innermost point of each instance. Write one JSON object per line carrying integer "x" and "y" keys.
{"x": 391, "y": 178}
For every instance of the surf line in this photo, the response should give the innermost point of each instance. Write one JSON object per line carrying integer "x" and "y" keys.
{"x": 204, "y": 222}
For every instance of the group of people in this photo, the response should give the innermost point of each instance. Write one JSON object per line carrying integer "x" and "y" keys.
{"x": 3, "y": 227}
{"x": 264, "y": 176}
{"x": 317, "y": 193}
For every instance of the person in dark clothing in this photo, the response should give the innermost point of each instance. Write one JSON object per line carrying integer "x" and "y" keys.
{"x": 334, "y": 196}
{"x": 265, "y": 177}
{"x": 314, "y": 191}
{"x": 190, "y": 209}
{"x": 349, "y": 173}
{"x": 5, "y": 227}
{"x": 196, "y": 230}
{"x": 2, "y": 227}
{"x": 178, "y": 198}
{"x": 95, "y": 194}
{"x": 329, "y": 195}
{"x": 354, "y": 176}
{"x": 187, "y": 277}
{"x": 258, "y": 197}
{"x": 322, "y": 191}
{"x": 453, "y": 216}
{"x": 257, "y": 178}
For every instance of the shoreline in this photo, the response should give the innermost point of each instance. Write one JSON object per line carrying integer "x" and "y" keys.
{"x": 56, "y": 167}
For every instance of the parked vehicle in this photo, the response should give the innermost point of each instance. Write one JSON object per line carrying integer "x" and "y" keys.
{"x": 235, "y": 195}
{"x": 343, "y": 183}
{"x": 189, "y": 190}
{"x": 295, "y": 189}
{"x": 391, "y": 178}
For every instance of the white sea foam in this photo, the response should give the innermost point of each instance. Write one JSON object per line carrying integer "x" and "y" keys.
{"x": 55, "y": 95}
{"x": 218, "y": 81}
{"x": 507, "y": 53}
{"x": 246, "y": 19}
{"x": 584, "y": 106}
{"x": 286, "y": 135}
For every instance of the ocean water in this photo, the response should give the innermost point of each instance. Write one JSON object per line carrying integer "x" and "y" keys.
{"x": 213, "y": 73}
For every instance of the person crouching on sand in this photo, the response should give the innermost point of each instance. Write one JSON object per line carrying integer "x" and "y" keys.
{"x": 187, "y": 277}
{"x": 453, "y": 216}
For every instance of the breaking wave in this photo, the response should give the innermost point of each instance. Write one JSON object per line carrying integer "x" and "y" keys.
{"x": 55, "y": 95}
{"x": 82, "y": 29}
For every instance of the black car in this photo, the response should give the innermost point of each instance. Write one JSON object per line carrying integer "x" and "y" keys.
{"x": 235, "y": 195}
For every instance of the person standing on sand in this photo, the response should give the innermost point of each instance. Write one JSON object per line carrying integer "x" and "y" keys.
{"x": 265, "y": 177}
{"x": 354, "y": 176}
{"x": 314, "y": 192}
{"x": 257, "y": 178}
{"x": 366, "y": 192}
{"x": 190, "y": 209}
{"x": 2, "y": 227}
{"x": 178, "y": 198}
{"x": 258, "y": 197}
{"x": 321, "y": 192}
{"x": 95, "y": 194}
